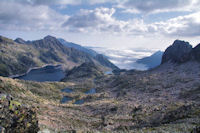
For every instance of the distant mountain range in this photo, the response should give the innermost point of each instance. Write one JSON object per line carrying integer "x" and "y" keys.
{"x": 18, "y": 56}
{"x": 152, "y": 61}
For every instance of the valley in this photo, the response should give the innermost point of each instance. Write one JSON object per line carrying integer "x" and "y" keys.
{"x": 89, "y": 97}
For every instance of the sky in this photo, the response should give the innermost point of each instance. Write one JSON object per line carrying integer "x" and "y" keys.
{"x": 119, "y": 24}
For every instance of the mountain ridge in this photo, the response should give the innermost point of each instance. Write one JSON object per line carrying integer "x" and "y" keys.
{"x": 17, "y": 59}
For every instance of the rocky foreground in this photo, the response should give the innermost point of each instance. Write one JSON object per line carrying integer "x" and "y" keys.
{"x": 164, "y": 99}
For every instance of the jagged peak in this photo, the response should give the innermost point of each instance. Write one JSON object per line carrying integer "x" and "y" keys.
{"x": 181, "y": 42}
{"x": 178, "y": 52}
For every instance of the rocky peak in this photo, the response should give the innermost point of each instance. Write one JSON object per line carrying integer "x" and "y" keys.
{"x": 178, "y": 52}
{"x": 20, "y": 40}
{"x": 49, "y": 38}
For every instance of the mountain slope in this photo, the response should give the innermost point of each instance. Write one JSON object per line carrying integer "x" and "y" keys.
{"x": 85, "y": 71}
{"x": 98, "y": 57}
{"x": 153, "y": 60}
{"x": 78, "y": 47}
{"x": 17, "y": 59}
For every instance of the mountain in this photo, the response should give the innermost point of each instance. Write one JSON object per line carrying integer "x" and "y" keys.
{"x": 99, "y": 57}
{"x": 104, "y": 61}
{"x": 20, "y": 41}
{"x": 78, "y": 47}
{"x": 178, "y": 52}
{"x": 17, "y": 59}
{"x": 152, "y": 61}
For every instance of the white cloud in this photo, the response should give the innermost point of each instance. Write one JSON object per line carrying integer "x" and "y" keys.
{"x": 16, "y": 16}
{"x": 99, "y": 19}
{"x": 188, "y": 25}
{"x": 155, "y": 6}
{"x": 59, "y": 2}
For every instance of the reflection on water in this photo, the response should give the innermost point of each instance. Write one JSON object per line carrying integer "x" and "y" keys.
{"x": 48, "y": 73}
{"x": 66, "y": 99}
{"x": 67, "y": 90}
{"x": 81, "y": 101}
{"x": 91, "y": 91}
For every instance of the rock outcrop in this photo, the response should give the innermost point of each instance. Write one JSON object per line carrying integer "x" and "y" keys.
{"x": 178, "y": 52}
{"x": 16, "y": 118}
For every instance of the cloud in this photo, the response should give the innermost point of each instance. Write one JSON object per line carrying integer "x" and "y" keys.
{"x": 99, "y": 19}
{"x": 16, "y": 16}
{"x": 38, "y": 15}
{"x": 187, "y": 26}
{"x": 102, "y": 20}
{"x": 59, "y": 2}
{"x": 155, "y": 6}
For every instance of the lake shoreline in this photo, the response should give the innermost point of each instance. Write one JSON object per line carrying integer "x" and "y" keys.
{"x": 33, "y": 68}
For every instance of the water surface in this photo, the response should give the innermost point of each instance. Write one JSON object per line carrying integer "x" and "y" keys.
{"x": 67, "y": 90}
{"x": 66, "y": 99}
{"x": 47, "y": 73}
{"x": 91, "y": 91}
{"x": 81, "y": 101}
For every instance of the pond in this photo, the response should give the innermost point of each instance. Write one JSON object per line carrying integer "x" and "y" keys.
{"x": 66, "y": 99}
{"x": 81, "y": 101}
{"x": 91, "y": 91}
